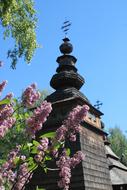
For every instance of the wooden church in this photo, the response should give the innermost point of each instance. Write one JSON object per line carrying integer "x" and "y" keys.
{"x": 93, "y": 173}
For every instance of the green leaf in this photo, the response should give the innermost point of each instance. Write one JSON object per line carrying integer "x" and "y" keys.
{"x": 26, "y": 115}
{"x": 30, "y": 160}
{"x": 48, "y": 158}
{"x": 58, "y": 145}
{"x": 31, "y": 164}
{"x": 15, "y": 100}
{"x": 16, "y": 160}
{"x": 32, "y": 167}
{"x": 5, "y": 101}
{"x": 37, "y": 188}
{"x": 29, "y": 144}
{"x": 2, "y": 161}
{"x": 34, "y": 150}
{"x": 68, "y": 151}
{"x": 48, "y": 135}
{"x": 45, "y": 170}
{"x": 36, "y": 143}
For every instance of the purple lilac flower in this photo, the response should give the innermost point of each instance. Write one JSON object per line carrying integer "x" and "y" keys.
{"x": 44, "y": 144}
{"x": 42, "y": 147}
{"x": 65, "y": 171}
{"x": 71, "y": 126}
{"x": 76, "y": 159}
{"x": 5, "y": 125}
{"x": 6, "y": 116}
{"x": 9, "y": 96}
{"x": 23, "y": 176}
{"x": 35, "y": 122}
{"x": 6, "y": 170}
{"x": 30, "y": 96}
{"x": 54, "y": 153}
{"x": 61, "y": 133}
{"x": 65, "y": 163}
{"x": 6, "y": 111}
{"x": 38, "y": 157}
{"x": 76, "y": 116}
{"x": 2, "y": 85}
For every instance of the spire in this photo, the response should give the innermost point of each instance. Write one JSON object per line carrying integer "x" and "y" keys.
{"x": 67, "y": 75}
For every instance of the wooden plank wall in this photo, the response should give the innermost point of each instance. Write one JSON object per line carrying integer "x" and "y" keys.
{"x": 95, "y": 166}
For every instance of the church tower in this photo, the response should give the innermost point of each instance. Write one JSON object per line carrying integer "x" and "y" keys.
{"x": 93, "y": 172}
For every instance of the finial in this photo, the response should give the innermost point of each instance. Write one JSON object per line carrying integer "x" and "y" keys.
{"x": 66, "y": 27}
{"x": 66, "y": 47}
{"x": 98, "y": 104}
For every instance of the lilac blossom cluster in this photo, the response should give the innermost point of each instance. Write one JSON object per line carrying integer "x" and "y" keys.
{"x": 5, "y": 125}
{"x": 42, "y": 147}
{"x": 6, "y": 170}
{"x": 2, "y": 85}
{"x": 9, "y": 96}
{"x": 23, "y": 177}
{"x": 6, "y": 113}
{"x": 6, "y": 110}
{"x": 68, "y": 130}
{"x": 71, "y": 126}
{"x": 1, "y": 183}
{"x": 65, "y": 171}
{"x": 30, "y": 96}
{"x": 40, "y": 114}
{"x": 9, "y": 173}
{"x": 76, "y": 159}
{"x": 65, "y": 163}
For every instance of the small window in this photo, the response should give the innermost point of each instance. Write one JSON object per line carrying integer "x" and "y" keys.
{"x": 92, "y": 117}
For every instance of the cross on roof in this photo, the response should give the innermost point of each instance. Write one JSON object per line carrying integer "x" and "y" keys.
{"x": 98, "y": 104}
{"x": 66, "y": 27}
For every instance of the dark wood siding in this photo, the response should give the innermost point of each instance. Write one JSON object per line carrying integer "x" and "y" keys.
{"x": 95, "y": 166}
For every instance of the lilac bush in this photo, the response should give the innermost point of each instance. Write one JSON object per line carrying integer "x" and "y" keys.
{"x": 25, "y": 117}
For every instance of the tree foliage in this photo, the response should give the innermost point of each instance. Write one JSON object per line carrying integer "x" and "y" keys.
{"x": 18, "y": 18}
{"x": 118, "y": 143}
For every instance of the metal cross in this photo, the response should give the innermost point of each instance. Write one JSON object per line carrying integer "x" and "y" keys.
{"x": 66, "y": 27}
{"x": 98, "y": 104}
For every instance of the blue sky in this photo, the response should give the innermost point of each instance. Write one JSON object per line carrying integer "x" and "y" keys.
{"x": 99, "y": 36}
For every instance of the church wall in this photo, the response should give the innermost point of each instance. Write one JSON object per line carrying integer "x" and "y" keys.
{"x": 95, "y": 166}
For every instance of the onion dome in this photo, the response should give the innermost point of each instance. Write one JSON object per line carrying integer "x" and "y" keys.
{"x": 66, "y": 47}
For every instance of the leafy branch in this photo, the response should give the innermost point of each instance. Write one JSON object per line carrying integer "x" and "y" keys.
{"x": 18, "y": 18}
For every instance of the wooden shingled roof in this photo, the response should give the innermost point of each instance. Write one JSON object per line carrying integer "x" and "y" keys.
{"x": 118, "y": 171}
